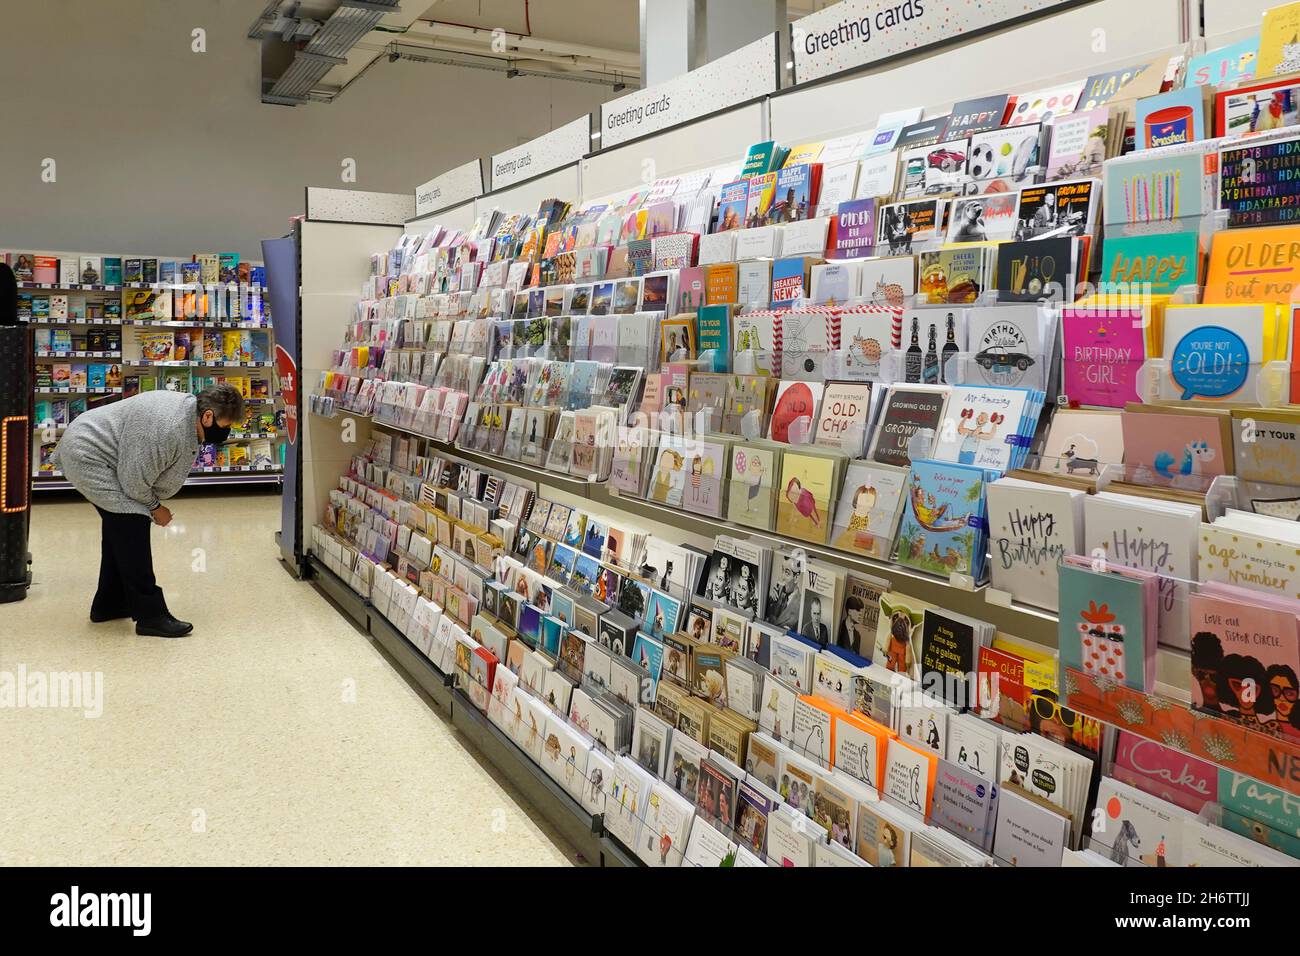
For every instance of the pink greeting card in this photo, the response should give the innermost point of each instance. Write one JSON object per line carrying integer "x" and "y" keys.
{"x": 1165, "y": 773}
{"x": 1183, "y": 451}
{"x": 1245, "y": 658}
{"x": 1103, "y": 351}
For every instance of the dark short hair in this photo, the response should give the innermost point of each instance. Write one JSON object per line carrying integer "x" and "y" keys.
{"x": 224, "y": 401}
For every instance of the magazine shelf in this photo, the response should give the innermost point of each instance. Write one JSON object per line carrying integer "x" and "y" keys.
{"x": 196, "y": 324}
{"x": 78, "y": 355}
{"x": 71, "y": 287}
{"x": 114, "y": 390}
{"x": 230, "y": 305}
{"x": 188, "y": 363}
{"x": 45, "y": 320}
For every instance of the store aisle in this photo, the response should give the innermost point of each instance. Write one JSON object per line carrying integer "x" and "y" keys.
{"x": 275, "y": 734}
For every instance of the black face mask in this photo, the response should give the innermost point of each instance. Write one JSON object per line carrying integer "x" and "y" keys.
{"x": 216, "y": 434}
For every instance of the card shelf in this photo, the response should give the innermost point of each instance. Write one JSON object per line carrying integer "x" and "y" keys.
{"x": 576, "y": 486}
{"x": 1174, "y": 723}
{"x": 581, "y": 829}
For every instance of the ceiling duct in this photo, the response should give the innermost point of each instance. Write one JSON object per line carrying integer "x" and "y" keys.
{"x": 327, "y": 48}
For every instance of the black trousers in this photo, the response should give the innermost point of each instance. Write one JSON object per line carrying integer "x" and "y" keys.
{"x": 126, "y": 582}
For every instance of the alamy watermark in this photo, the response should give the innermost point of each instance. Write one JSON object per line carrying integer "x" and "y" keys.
{"x": 64, "y": 690}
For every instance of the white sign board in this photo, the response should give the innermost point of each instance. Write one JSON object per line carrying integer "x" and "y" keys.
{"x": 740, "y": 76}
{"x": 853, "y": 33}
{"x": 559, "y": 147}
{"x": 450, "y": 189}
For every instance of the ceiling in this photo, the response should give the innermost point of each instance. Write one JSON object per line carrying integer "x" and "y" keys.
{"x": 588, "y": 41}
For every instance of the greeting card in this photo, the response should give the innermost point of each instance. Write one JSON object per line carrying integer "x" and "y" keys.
{"x": 908, "y": 411}
{"x": 1155, "y": 536}
{"x": 943, "y": 520}
{"x": 1245, "y": 651}
{"x": 807, "y": 489}
{"x": 1103, "y": 625}
{"x": 843, "y": 417}
{"x": 752, "y": 495}
{"x": 795, "y": 412}
{"x": 868, "y": 508}
{"x": 1214, "y": 352}
{"x": 1031, "y": 528}
{"x": 1102, "y": 354}
{"x": 1253, "y": 265}
{"x": 985, "y": 426}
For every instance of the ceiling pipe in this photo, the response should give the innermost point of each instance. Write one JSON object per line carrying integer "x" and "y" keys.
{"x": 628, "y": 59}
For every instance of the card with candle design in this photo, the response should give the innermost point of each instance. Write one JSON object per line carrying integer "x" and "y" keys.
{"x": 1245, "y": 652}
{"x": 868, "y": 509}
{"x": 1146, "y": 188}
{"x": 1103, "y": 350}
{"x": 942, "y": 527}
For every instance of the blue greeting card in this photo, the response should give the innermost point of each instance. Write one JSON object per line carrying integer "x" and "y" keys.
{"x": 943, "y": 527}
{"x": 1101, "y": 630}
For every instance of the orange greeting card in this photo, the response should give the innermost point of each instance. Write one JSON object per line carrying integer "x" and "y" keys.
{"x": 1253, "y": 265}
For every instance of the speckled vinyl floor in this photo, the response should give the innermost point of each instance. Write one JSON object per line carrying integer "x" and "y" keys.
{"x": 242, "y": 744}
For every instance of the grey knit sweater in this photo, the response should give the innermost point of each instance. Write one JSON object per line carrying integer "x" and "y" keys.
{"x": 129, "y": 455}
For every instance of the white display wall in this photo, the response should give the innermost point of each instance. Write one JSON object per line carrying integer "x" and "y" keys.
{"x": 709, "y": 142}
{"x": 1227, "y": 21}
{"x": 1075, "y": 44}
{"x": 456, "y": 217}
{"x": 525, "y": 197}
{"x": 335, "y": 261}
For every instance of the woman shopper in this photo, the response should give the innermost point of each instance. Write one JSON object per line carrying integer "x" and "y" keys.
{"x": 126, "y": 458}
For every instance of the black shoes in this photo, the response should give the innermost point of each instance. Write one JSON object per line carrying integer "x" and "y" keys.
{"x": 99, "y": 617}
{"x": 163, "y": 627}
